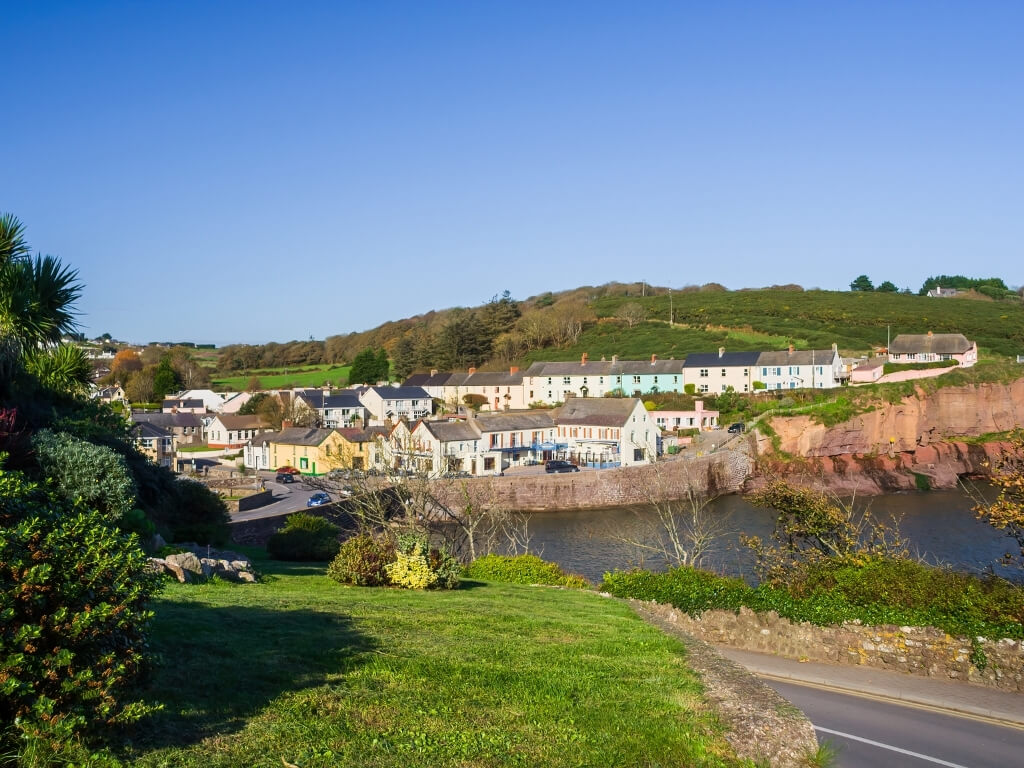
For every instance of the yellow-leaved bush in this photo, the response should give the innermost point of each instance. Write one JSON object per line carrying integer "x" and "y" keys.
{"x": 411, "y": 570}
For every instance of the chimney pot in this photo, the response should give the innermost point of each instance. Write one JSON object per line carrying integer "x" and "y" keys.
{"x": 929, "y": 333}
{"x": 615, "y": 359}
{"x": 472, "y": 371}
{"x": 654, "y": 359}
{"x": 513, "y": 370}
{"x": 791, "y": 349}
{"x": 583, "y": 359}
{"x": 433, "y": 371}
{"x": 721, "y": 351}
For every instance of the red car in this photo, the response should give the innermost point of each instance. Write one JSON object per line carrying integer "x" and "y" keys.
{"x": 286, "y": 470}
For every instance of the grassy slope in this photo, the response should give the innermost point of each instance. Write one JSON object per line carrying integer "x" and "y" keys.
{"x": 304, "y": 669}
{"x": 336, "y": 374}
{"x": 853, "y": 320}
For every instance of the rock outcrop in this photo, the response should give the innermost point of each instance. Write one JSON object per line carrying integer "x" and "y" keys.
{"x": 904, "y": 446}
{"x": 188, "y": 567}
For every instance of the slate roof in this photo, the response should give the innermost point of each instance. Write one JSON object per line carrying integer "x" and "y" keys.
{"x": 401, "y": 393}
{"x": 724, "y": 360}
{"x": 605, "y": 368}
{"x": 355, "y": 435}
{"x": 512, "y": 420}
{"x": 493, "y": 379}
{"x": 936, "y": 344}
{"x": 797, "y": 357}
{"x": 416, "y": 380}
{"x": 144, "y": 429}
{"x": 165, "y": 420}
{"x": 300, "y": 436}
{"x": 236, "y": 421}
{"x": 317, "y": 399}
{"x": 450, "y": 431}
{"x": 595, "y": 411}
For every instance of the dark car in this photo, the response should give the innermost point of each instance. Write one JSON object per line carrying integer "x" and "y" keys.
{"x": 318, "y": 499}
{"x": 737, "y": 428}
{"x": 560, "y": 466}
{"x": 285, "y": 478}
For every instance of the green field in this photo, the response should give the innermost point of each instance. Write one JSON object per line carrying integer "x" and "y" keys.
{"x": 285, "y": 378}
{"x": 300, "y": 670}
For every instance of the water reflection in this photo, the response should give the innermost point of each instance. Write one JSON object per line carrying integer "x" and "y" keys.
{"x": 939, "y": 526}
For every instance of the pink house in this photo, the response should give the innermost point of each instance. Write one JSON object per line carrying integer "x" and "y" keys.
{"x": 931, "y": 347}
{"x": 868, "y": 372}
{"x": 698, "y": 418}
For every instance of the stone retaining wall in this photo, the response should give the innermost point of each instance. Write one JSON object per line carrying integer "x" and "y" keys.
{"x": 915, "y": 650}
{"x": 723, "y": 472}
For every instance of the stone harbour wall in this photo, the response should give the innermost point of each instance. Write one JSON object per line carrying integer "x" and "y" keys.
{"x": 914, "y": 650}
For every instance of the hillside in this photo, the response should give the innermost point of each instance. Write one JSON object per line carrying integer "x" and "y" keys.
{"x": 632, "y": 321}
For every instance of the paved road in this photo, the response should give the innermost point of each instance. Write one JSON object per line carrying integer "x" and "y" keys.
{"x": 287, "y": 498}
{"x": 869, "y": 732}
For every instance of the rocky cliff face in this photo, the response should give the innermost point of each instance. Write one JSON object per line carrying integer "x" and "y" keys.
{"x": 884, "y": 449}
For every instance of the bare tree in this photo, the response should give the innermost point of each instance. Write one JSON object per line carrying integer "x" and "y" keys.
{"x": 675, "y": 521}
{"x": 631, "y": 313}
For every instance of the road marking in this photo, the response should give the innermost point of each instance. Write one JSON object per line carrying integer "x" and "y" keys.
{"x": 889, "y": 747}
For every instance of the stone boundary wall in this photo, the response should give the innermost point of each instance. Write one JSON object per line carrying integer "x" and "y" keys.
{"x": 255, "y": 500}
{"x": 725, "y": 472}
{"x": 914, "y": 650}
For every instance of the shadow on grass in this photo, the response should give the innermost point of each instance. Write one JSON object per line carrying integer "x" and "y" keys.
{"x": 220, "y": 666}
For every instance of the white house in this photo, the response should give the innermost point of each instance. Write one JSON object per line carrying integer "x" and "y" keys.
{"x": 334, "y": 410}
{"x": 394, "y": 403}
{"x": 211, "y": 400}
{"x": 555, "y": 382}
{"x": 229, "y": 430}
{"x": 801, "y": 369}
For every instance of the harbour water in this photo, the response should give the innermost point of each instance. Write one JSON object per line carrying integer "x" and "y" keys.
{"x": 939, "y": 527}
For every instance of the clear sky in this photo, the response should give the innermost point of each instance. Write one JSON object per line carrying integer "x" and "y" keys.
{"x": 257, "y": 171}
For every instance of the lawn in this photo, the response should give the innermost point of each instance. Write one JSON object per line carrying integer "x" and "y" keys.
{"x": 300, "y": 670}
{"x": 282, "y": 378}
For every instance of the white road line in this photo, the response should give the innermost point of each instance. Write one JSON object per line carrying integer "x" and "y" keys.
{"x": 889, "y": 747}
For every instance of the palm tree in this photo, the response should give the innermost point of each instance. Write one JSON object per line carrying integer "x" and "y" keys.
{"x": 36, "y": 297}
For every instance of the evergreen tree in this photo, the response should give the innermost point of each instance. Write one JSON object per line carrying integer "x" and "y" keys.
{"x": 383, "y": 365}
{"x": 364, "y": 368}
{"x": 887, "y": 287}
{"x": 165, "y": 379}
{"x": 862, "y": 283}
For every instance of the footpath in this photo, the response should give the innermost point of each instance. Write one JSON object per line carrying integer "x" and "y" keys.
{"x": 963, "y": 698}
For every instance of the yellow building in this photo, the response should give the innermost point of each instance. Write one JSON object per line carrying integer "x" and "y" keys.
{"x": 311, "y": 451}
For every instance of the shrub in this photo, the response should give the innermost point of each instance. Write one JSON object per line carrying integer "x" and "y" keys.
{"x": 81, "y": 470}
{"x": 198, "y": 514}
{"x": 522, "y": 569}
{"x": 447, "y": 568}
{"x": 360, "y": 562}
{"x": 304, "y": 537}
{"x": 411, "y": 570}
{"x": 73, "y": 594}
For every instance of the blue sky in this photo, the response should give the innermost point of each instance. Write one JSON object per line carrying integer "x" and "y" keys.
{"x": 255, "y": 171}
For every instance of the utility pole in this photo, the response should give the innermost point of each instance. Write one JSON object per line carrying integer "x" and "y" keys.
{"x": 671, "y": 314}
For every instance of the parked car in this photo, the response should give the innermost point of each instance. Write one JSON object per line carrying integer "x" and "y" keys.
{"x": 557, "y": 465}
{"x": 318, "y": 499}
{"x": 286, "y": 470}
{"x": 737, "y": 428}
{"x": 285, "y": 478}
{"x": 338, "y": 474}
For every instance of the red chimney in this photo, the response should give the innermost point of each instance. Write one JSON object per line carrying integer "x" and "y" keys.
{"x": 654, "y": 359}
{"x": 583, "y": 360}
{"x": 287, "y": 423}
{"x": 513, "y": 370}
{"x": 472, "y": 371}
{"x": 791, "y": 349}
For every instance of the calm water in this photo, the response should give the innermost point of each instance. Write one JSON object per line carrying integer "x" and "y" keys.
{"x": 939, "y": 527}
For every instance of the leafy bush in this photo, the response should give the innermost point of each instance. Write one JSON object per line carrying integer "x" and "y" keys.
{"x": 82, "y": 470}
{"x": 197, "y": 514}
{"x": 411, "y": 570}
{"x": 73, "y": 595}
{"x": 447, "y": 568}
{"x": 305, "y": 537}
{"x": 522, "y": 569}
{"x": 361, "y": 560}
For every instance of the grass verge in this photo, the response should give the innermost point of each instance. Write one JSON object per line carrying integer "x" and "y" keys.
{"x": 303, "y": 670}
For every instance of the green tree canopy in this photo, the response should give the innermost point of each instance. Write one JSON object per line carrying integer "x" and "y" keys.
{"x": 862, "y": 283}
{"x": 887, "y": 287}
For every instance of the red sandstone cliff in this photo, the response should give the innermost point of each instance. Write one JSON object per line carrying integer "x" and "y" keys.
{"x": 883, "y": 449}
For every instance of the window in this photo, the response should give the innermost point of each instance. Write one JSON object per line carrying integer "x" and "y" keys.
{"x": 746, "y": 371}
{"x": 704, "y": 372}
{"x": 488, "y": 463}
{"x": 584, "y": 379}
{"x": 703, "y": 388}
{"x": 636, "y": 379}
{"x": 549, "y": 394}
{"x": 764, "y": 372}
{"x": 723, "y": 373}
{"x": 655, "y": 379}
{"x": 549, "y": 381}
{"x": 303, "y": 463}
{"x": 675, "y": 379}
{"x": 600, "y": 380}
{"x": 746, "y": 387}
{"x": 725, "y": 387}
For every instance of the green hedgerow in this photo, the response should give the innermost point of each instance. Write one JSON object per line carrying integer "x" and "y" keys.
{"x": 73, "y": 614}
{"x": 361, "y": 560}
{"x": 305, "y": 537}
{"x": 522, "y": 569}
